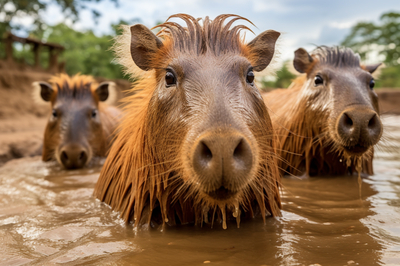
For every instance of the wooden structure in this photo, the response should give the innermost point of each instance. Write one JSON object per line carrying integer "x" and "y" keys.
{"x": 37, "y": 45}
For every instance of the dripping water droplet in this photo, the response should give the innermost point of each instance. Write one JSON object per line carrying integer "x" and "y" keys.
{"x": 236, "y": 211}
{"x": 205, "y": 214}
{"x": 348, "y": 162}
{"x": 238, "y": 218}
{"x": 223, "y": 217}
{"x": 358, "y": 169}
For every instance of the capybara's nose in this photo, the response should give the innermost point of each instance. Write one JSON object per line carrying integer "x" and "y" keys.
{"x": 222, "y": 160}
{"x": 359, "y": 126}
{"x": 73, "y": 156}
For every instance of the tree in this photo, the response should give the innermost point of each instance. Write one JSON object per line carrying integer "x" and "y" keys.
{"x": 384, "y": 37}
{"x": 84, "y": 52}
{"x": 11, "y": 10}
{"x": 283, "y": 78}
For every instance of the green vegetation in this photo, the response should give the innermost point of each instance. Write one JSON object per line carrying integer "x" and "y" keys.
{"x": 85, "y": 52}
{"x": 383, "y": 38}
{"x": 11, "y": 10}
{"x": 283, "y": 78}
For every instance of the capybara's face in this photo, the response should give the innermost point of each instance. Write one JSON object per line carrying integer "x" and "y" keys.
{"x": 74, "y": 132}
{"x": 206, "y": 115}
{"x": 344, "y": 92}
{"x": 215, "y": 115}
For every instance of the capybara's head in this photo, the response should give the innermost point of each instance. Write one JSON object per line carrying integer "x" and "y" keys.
{"x": 341, "y": 91}
{"x": 74, "y": 132}
{"x": 197, "y": 137}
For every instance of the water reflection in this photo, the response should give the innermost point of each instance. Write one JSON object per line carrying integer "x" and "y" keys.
{"x": 48, "y": 216}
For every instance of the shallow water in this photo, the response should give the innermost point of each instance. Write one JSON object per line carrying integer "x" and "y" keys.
{"x": 48, "y": 216}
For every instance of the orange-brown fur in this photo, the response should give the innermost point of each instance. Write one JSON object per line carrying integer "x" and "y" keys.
{"x": 144, "y": 177}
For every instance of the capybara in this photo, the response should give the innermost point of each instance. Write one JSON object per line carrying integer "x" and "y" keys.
{"x": 327, "y": 121}
{"x": 196, "y": 143}
{"x": 81, "y": 123}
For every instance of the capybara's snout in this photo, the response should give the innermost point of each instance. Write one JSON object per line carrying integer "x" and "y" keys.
{"x": 223, "y": 161}
{"x": 359, "y": 128}
{"x": 73, "y": 156}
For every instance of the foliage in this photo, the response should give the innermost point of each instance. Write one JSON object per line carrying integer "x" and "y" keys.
{"x": 84, "y": 52}
{"x": 283, "y": 78}
{"x": 12, "y": 10}
{"x": 367, "y": 37}
{"x": 389, "y": 78}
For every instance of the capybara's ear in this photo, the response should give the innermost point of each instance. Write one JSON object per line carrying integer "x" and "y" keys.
{"x": 44, "y": 89}
{"x": 263, "y": 46}
{"x": 302, "y": 60}
{"x": 102, "y": 91}
{"x": 144, "y": 45}
{"x": 371, "y": 68}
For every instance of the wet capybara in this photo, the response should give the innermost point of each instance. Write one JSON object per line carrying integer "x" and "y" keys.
{"x": 197, "y": 141}
{"x": 81, "y": 123}
{"x": 327, "y": 121}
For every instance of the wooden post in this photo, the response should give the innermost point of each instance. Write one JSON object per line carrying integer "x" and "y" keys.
{"x": 36, "y": 51}
{"x": 9, "y": 48}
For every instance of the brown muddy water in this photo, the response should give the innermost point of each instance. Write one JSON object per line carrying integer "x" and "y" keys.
{"x": 48, "y": 216}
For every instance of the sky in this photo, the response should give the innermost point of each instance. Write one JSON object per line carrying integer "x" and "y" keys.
{"x": 303, "y": 23}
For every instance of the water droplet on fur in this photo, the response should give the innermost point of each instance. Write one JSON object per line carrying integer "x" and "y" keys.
{"x": 236, "y": 211}
{"x": 238, "y": 218}
{"x": 358, "y": 169}
{"x": 348, "y": 162}
{"x": 223, "y": 217}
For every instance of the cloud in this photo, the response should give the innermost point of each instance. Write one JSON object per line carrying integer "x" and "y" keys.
{"x": 304, "y": 22}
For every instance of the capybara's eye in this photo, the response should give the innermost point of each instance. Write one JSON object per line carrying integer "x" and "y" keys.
{"x": 54, "y": 113}
{"x": 250, "y": 77}
{"x": 94, "y": 113}
{"x": 170, "y": 78}
{"x": 372, "y": 84}
{"x": 318, "y": 80}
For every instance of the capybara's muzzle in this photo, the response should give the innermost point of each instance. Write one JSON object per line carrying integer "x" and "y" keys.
{"x": 359, "y": 128}
{"x": 223, "y": 160}
{"x": 73, "y": 156}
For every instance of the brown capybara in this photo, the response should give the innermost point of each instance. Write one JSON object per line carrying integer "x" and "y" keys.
{"x": 197, "y": 141}
{"x": 327, "y": 121}
{"x": 81, "y": 123}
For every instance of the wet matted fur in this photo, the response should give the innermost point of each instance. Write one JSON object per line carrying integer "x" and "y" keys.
{"x": 304, "y": 118}
{"x": 145, "y": 177}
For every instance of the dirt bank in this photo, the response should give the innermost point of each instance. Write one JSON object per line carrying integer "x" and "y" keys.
{"x": 389, "y": 100}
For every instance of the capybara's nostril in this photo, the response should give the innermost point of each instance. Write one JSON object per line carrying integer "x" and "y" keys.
{"x": 73, "y": 156}
{"x": 222, "y": 159}
{"x": 242, "y": 154}
{"x": 374, "y": 129}
{"x": 346, "y": 124}
{"x": 202, "y": 158}
{"x": 204, "y": 152}
{"x": 64, "y": 155}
